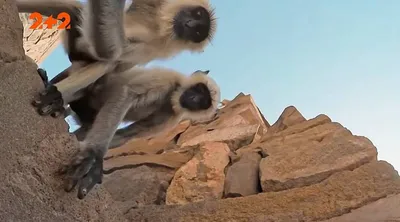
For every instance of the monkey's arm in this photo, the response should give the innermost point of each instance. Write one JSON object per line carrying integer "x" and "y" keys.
{"x": 54, "y": 97}
{"x": 48, "y": 7}
{"x": 87, "y": 166}
{"x": 108, "y": 33}
{"x": 155, "y": 123}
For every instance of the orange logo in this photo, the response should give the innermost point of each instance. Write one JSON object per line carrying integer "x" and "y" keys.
{"x": 50, "y": 21}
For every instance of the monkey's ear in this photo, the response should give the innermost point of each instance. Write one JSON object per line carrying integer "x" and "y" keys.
{"x": 202, "y": 72}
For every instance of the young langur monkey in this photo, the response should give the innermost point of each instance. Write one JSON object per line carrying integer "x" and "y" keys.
{"x": 155, "y": 99}
{"x": 105, "y": 37}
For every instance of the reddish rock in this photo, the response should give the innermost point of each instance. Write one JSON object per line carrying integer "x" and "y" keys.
{"x": 171, "y": 160}
{"x": 137, "y": 187}
{"x": 297, "y": 165}
{"x": 385, "y": 210}
{"x": 289, "y": 117}
{"x": 334, "y": 196}
{"x": 155, "y": 145}
{"x": 298, "y": 128}
{"x": 202, "y": 178}
{"x": 235, "y": 137}
{"x": 242, "y": 177}
{"x": 235, "y": 117}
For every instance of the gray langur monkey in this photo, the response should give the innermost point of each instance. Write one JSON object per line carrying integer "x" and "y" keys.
{"x": 105, "y": 36}
{"x": 153, "y": 99}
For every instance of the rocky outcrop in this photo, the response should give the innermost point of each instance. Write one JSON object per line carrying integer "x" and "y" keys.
{"x": 244, "y": 169}
{"x": 39, "y": 43}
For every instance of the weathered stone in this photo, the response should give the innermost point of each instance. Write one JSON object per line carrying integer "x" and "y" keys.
{"x": 139, "y": 186}
{"x": 334, "y": 196}
{"x": 385, "y": 210}
{"x": 235, "y": 137}
{"x": 202, "y": 178}
{"x": 33, "y": 148}
{"x": 39, "y": 43}
{"x": 298, "y": 128}
{"x": 242, "y": 176}
{"x": 289, "y": 117}
{"x": 171, "y": 160}
{"x": 318, "y": 133}
{"x": 309, "y": 163}
{"x": 155, "y": 145}
{"x": 240, "y": 112}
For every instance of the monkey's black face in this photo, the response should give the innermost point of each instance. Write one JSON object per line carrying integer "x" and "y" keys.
{"x": 196, "y": 98}
{"x": 192, "y": 24}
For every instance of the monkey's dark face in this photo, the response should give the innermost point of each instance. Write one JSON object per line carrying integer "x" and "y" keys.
{"x": 192, "y": 24}
{"x": 196, "y": 98}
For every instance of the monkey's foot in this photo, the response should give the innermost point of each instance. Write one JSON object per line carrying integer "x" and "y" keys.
{"x": 43, "y": 75}
{"x": 86, "y": 168}
{"x": 49, "y": 102}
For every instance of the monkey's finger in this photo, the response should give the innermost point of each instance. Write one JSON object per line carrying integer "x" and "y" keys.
{"x": 36, "y": 102}
{"x": 45, "y": 110}
{"x": 50, "y": 109}
{"x": 43, "y": 75}
{"x": 57, "y": 113}
{"x": 94, "y": 176}
{"x": 83, "y": 168}
{"x": 70, "y": 184}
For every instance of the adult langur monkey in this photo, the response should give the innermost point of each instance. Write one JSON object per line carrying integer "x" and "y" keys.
{"x": 103, "y": 39}
{"x": 155, "y": 99}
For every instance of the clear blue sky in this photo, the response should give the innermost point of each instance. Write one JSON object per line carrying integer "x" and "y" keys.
{"x": 340, "y": 58}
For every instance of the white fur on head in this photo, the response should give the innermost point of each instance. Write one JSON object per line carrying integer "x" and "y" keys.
{"x": 201, "y": 115}
{"x": 167, "y": 13}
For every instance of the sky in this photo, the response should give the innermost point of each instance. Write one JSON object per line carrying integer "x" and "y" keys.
{"x": 340, "y": 58}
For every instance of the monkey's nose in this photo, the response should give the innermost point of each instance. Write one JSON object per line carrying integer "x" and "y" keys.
{"x": 190, "y": 23}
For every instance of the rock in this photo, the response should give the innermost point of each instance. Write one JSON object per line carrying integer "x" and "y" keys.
{"x": 202, "y": 178}
{"x": 334, "y": 196}
{"x": 39, "y": 43}
{"x": 143, "y": 185}
{"x": 298, "y": 128}
{"x": 308, "y": 134}
{"x": 297, "y": 165}
{"x": 155, "y": 145}
{"x": 289, "y": 117}
{"x": 32, "y": 147}
{"x": 386, "y": 209}
{"x": 235, "y": 137}
{"x": 242, "y": 177}
{"x": 171, "y": 160}
{"x": 240, "y": 114}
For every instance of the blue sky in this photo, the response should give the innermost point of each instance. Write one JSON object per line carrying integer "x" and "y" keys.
{"x": 340, "y": 58}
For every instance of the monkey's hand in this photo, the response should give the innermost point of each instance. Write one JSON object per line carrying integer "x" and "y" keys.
{"x": 86, "y": 168}
{"x": 49, "y": 101}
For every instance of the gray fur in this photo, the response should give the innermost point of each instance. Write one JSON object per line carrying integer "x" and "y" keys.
{"x": 138, "y": 36}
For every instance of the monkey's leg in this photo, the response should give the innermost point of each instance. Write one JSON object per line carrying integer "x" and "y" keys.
{"x": 56, "y": 96}
{"x": 86, "y": 167}
{"x": 108, "y": 35}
